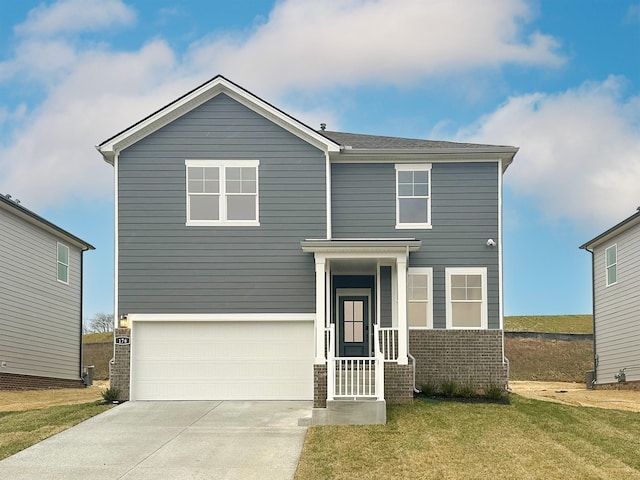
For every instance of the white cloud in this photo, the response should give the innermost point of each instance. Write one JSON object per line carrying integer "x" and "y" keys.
{"x": 579, "y": 150}
{"x": 309, "y": 45}
{"x": 51, "y": 160}
{"x": 71, "y": 16}
{"x": 91, "y": 92}
{"x": 40, "y": 60}
{"x": 633, "y": 14}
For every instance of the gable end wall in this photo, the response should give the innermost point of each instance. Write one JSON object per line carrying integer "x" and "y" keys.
{"x": 167, "y": 267}
{"x": 617, "y": 309}
{"x": 40, "y": 318}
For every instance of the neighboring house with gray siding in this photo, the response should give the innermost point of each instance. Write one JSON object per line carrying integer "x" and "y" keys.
{"x": 40, "y": 300}
{"x": 258, "y": 258}
{"x": 616, "y": 302}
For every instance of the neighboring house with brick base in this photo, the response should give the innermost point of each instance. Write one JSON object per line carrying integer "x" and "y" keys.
{"x": 258, "y": 258}
{"x": 615, "y": 258}
{"x": 40, "y": 301}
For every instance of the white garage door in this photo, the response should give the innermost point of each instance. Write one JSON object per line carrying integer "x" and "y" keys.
{"x": 222, "y": 361}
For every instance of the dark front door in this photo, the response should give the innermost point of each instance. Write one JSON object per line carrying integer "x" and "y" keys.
{"x": 353, "y": 318}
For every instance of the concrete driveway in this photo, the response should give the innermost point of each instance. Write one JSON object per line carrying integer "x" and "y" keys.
{"x": 172, "y": 440}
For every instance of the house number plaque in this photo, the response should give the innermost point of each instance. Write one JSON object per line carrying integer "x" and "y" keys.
{"x": 123, "y": 340}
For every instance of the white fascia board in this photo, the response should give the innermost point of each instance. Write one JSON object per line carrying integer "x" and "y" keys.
{"x": 422, "y": 155}
{"x": 197, "y": 97}
{"x": 221, "y": 317}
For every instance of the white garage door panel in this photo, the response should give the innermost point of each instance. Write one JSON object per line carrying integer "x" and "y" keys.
{"x": 222, "y": 361}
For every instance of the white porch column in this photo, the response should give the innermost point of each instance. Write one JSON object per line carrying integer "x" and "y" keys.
{"x": 403, "y": 331}
{"x": 320, "y": 322}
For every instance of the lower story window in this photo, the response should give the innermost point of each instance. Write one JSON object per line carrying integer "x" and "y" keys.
{"x": 466, "y": 290}
{"x": 420, "y": 307}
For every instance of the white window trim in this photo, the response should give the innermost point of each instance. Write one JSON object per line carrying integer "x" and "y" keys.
{"x": 58, "y": 262}
{"x": 423, "y": 167}
{"x": 606, "y": 266}
{"x": 483, "y": 309}
{"x": 428, "y": 271}
{"x": 222, "y": 164}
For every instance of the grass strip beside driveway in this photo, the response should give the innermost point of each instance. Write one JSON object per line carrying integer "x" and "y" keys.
{"x": 449, "y": 440}
{"x": 21, "y": 429}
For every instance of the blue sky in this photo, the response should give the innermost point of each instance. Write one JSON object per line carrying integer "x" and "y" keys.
{"x": 559, "y": 79}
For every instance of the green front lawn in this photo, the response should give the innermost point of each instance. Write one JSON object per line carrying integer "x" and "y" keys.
{"x": 19, "y": 430}
{"x": 450, "y": 440}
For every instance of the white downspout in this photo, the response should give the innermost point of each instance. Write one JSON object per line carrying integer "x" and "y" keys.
{"x": 413, "y": 359}
{"x": 115, "y": 250}
{"x": 505, "y": 360}
{"x": 328, "y": 188}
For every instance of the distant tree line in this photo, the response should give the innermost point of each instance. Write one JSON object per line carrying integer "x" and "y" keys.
{"x": 98, "y": 323}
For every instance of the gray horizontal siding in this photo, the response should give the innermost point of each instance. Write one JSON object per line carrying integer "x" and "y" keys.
{"x": 39, "y": 316}
{"x": 464, "y": 214}
{"x": 167, "y": 267}
{"x": 386, "y": 320}
{"x": 617, "y": 309}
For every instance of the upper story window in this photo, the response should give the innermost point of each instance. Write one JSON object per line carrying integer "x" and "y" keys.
{"x": 222, "y": 192}
{"x": 420, "y": 306}
{"x": 63, "y": 263}
{"x": 413, "y": 195}
{"x": 611, "y": 259}
{"x": 466, "y": 297}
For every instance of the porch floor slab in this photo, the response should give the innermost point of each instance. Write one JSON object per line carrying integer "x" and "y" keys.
{"x": 351, "y": 412}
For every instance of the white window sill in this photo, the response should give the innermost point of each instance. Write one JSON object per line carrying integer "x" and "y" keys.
{"x": 413, "y": 226}
{"x": 205, "y": 223}
{"x": 482, "y": 327}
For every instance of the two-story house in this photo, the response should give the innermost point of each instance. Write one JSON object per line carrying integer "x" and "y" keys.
{"x": 40, "y": 300}
{"x": 615, "y": 260}
{"x": 259, "y": 258}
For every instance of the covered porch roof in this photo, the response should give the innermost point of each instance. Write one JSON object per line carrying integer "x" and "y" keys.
{"x": 361, "y": 247}
{"x": 383, "y": 250}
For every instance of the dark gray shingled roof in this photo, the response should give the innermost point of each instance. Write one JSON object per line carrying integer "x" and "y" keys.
{"x": 356, "y": 140}
{"x": 14, "y": 205}
{"x": 615, "y": 230}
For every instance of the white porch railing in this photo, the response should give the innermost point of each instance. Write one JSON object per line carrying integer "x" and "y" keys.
{"x": 388, "y": 343}
{"x": 356, "y": 377}
{"x": 353, "y": 377}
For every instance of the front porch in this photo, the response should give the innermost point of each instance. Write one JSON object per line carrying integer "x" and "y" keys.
{"x": 361, "y": 358}
{"x": 355, "y": 390}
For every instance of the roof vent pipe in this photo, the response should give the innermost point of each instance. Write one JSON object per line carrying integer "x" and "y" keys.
{"x": 323, "y": 127}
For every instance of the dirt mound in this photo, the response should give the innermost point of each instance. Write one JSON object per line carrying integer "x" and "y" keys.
{"x": 576, "y": 394}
